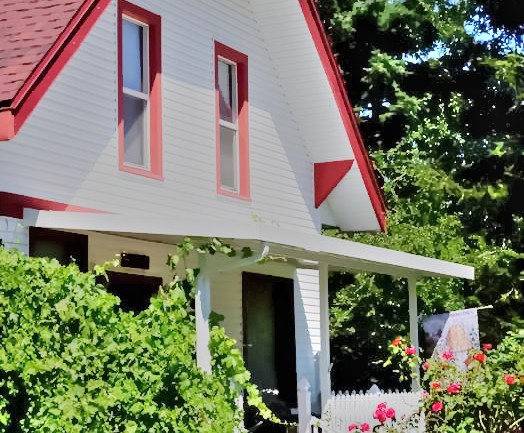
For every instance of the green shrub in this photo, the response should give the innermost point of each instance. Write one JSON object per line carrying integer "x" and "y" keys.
{"x": 72, "y": 361}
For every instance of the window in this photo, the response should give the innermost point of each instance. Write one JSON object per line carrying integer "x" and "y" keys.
{"x": 140, "y": 112}
{"x": 231, "y": 83}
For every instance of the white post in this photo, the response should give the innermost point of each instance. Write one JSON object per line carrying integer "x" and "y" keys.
{"x": 304, "y": 405}
{"x": 325, "y": 357}
{"x": 202, "y": 312}
{"x": 413, "y": 324}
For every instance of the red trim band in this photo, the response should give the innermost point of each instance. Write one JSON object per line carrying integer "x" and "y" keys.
{"x": 13, "y": 205}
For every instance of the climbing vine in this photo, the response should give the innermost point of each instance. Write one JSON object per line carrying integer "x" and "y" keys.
{"x": 71, "y": 360}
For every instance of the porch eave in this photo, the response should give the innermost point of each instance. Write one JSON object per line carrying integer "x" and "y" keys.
{"x": 339, "y": 254}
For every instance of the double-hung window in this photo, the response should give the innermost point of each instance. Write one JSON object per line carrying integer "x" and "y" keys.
{"x": 140, "y": 122}
{"x": 231, "y": 82}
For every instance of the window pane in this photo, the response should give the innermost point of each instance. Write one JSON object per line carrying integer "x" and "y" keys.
{"x": 228, "y": 165}
{"x": 226, "y": 81}
{"x": 132, "y": 55}
{"x": 134, "y": 130}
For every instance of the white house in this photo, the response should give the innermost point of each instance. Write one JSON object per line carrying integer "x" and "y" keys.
{"x": 126, "y": 126}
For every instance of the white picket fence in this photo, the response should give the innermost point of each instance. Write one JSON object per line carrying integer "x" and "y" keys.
{"x": 345, "y": 408}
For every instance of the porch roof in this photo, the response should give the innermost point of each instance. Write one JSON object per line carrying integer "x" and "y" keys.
{"x": 339, "y": 254}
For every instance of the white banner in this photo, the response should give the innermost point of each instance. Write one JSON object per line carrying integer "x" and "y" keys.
{"x": 456, "y": 332}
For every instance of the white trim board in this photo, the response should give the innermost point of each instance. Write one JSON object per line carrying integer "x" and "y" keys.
{"x": 337, "y": 253}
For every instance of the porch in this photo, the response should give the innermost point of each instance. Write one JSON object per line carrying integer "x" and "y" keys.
{"x": 308, "y": 260}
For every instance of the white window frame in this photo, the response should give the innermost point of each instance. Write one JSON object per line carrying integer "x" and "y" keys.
{"x": 145, "y": 96}
{"x": 233, "y": 126}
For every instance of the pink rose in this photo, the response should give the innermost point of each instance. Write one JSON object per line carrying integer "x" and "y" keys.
{"x": 448, "y": 355}
{"x": 487, "y": 346}
{"x": 425, "y": 366}
{"x": 364, "y": 427}
{"x": 381, "y": 406}
{"x": 352, "y": 427}
{"x": 390, "y": 413}
{"x": 510, "y": 379}
{"x": 424, "y": 394}
{"x": 410, "y": 350}
{"x": 435, "y": 385}
{"x": 454, "y": 388}
{"x": 437, "y": 406}
{"x": 380, "y": 414}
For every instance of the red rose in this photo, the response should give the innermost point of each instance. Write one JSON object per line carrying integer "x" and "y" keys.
{"x": 390, "y": 413}
{"x": 410, "y": 351}
{"x": 510, "y": 379}
{"x": 487, "y": 346}
{"x": 435, "y": 385}
{"x": 480, "y": 357}
{"x": 437, "y": 406}
{"x": 381, "y": 406}
{"x": 448, "y": 355}
{"x": 396, "y": 342}
{"x": 454, "y": 388}
{"x": 364, "y": 427}
{"x": 352, "y": 427}
{"x": 425, "y": 366}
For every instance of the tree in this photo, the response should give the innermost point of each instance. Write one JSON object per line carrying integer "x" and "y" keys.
{"x": 439, "y": 86}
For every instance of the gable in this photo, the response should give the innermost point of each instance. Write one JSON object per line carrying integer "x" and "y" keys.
{"x": 305, "y": 66}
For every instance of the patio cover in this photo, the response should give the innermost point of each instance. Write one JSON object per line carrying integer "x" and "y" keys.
{"x": 338, "y": 254}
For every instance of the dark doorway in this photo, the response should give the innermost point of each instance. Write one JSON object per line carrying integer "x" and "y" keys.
{"x": 269, "y": 342}
{"x": 64, "y": 246}
{"x": 134, "y": 291}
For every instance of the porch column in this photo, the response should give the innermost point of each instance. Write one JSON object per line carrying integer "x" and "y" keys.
{"x": 413, "y": 324}
{"x": 202, "y": 312}
{"x": 325, "y": 357}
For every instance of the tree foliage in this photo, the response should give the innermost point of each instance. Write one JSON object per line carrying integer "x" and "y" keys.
{"x": 72, "y": 361}
{"x": 439, "y": 89}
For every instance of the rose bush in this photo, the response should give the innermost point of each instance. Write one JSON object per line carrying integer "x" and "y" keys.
{"x": 484, "y": 398}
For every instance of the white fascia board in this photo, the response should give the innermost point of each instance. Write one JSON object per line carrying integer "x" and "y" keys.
{"x": 339, "y": 253}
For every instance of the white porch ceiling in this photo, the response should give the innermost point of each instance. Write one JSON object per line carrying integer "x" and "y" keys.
{"x": 339, "y": 254}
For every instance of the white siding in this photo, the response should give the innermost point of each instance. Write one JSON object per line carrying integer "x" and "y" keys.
{"x": 13, "y": 234}
{"x": 104, "y": 248}
{"x": 67, "y": 150}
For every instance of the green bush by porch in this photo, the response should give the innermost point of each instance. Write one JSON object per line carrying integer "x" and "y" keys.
{"x": 72, "y": 361}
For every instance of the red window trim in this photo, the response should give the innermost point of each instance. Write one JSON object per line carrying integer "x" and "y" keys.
{"x": 153, "y": 21}
{"x": 241, "y": 61}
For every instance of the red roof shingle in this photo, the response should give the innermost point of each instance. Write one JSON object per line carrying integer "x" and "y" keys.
{"x": 28, "y": 29}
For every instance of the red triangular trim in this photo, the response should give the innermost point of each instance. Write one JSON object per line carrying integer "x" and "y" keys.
{"x": 327, "y": 176}
{"x": 338, "y": 87}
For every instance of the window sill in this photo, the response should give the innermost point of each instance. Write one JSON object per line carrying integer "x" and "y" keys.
{"x": 231, "y": 194}
{"x": 141, "y": 172}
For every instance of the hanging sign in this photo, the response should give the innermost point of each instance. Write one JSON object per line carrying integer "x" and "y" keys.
{"x": 452, "y": 335}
